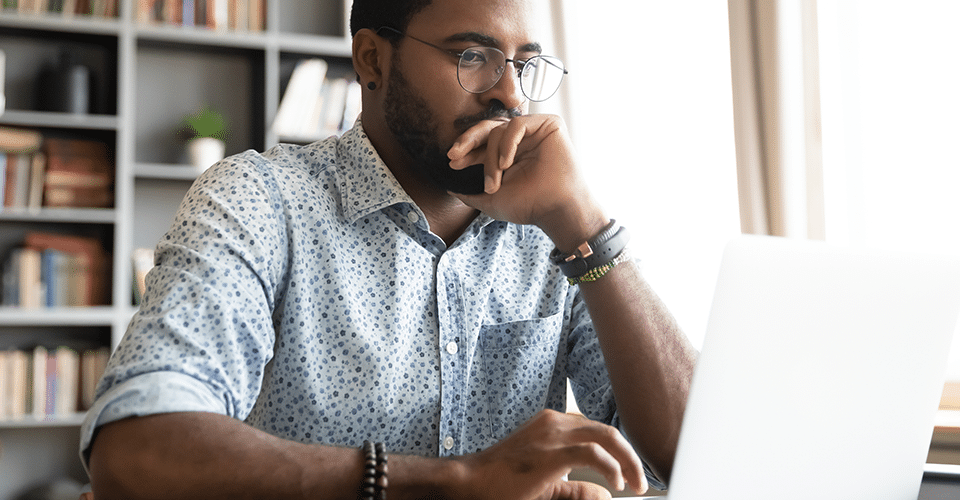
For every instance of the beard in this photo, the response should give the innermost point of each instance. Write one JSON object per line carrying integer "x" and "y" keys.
{"x": 416, "y": 130}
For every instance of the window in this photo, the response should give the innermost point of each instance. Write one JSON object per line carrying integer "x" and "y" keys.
{"x": 649, "y": 108}
{"x": 890, "y": 104}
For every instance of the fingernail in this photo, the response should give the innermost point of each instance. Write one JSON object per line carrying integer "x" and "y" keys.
{"x": 488, "y": 184}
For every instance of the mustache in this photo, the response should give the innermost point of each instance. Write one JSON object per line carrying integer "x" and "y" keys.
{"x": 496, "y": 111}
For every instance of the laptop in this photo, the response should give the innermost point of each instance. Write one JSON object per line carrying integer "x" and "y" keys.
{"x": 820, "y": 374}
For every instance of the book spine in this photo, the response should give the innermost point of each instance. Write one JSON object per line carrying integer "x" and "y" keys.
{"x": 38, "y": 406}
{"x": 31, "y": 285}
{"x": 189, "y": 12}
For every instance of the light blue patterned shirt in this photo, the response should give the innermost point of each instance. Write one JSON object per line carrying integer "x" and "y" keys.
{"x": 302, "y": 291}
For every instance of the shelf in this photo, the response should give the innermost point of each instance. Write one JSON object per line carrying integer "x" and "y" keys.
{"x": 308, "y": 44}
{"x": 60, "y": 215}
{"x": 57, "y": 316}
{"x": 59, "y": 120}
{"x": 57, "y": 22}
{"x": 143, "y": 80}
{"x": 30, "y": 422}
{"x": 190, "y": 35}
{"x": 166, "y": 171}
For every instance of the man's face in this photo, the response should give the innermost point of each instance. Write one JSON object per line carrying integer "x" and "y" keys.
{"x": 428, "y": 112}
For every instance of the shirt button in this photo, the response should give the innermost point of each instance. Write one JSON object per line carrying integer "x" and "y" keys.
{"x": 452, "y": 348}
{"x": 447, "y": 443}
{"x": 413, "y": 216}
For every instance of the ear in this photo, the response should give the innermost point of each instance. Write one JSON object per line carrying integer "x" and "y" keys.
{"x": 370, "y": 56}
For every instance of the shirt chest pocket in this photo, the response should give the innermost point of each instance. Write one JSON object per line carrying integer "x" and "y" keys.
{"x": 519, "y": 360}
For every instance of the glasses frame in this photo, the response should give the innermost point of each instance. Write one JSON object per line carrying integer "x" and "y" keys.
{"x": 519, "y": 65}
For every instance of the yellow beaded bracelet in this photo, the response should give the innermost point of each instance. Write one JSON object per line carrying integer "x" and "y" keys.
{"x": 598, "y": 272}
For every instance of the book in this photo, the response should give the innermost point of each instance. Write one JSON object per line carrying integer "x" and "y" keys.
{"x": 17, "y": 149}
{"x": 6, "y": 392}
{"x": 13, "y": 181}
{"x": 38, "y": 166}
{"x": 19, "y": 366}
{"x": 85, "y": 273}
{"x": 93, "y": 364}
{"x": 217, "y": 14}
{"x": 79, "y": 173}
{"x": 68, "y": 8}
{"x": 19, "y": 140}
{"x": 38, "y": 363}
{"x": 352, "y": 105}
{"x": 67, "y": 376}
{"x": 49, "y": 381}
{"x": 300, "y": 98}
{"x": 31, "y": 285}
{"x": 189, "y": 13}
{"x": 257, "y": 15}
{"x": 57, "y": 273}
{"x": 11, "y": 278}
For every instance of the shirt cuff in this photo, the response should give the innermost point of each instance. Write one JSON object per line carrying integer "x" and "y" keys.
{"x": 147, "y": 394}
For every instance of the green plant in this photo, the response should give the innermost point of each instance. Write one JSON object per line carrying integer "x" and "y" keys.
{"x": 207, "y": 123}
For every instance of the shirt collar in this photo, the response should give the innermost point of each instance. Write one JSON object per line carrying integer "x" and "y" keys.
{"x": 367, "y": 184}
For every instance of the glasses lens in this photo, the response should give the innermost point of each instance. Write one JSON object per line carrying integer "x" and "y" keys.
{"x": 480, "y": 69}
{"x": 540, "y": 77}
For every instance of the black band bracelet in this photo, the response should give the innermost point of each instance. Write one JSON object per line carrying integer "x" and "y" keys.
{"x": 593, "y": 253}
{"x": 374, "y": 486}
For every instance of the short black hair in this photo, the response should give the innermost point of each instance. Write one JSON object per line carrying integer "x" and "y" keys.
{"x": 375, "y": 14}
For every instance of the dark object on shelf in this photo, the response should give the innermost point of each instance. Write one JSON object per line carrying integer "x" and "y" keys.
{"x": 65, "y": 87}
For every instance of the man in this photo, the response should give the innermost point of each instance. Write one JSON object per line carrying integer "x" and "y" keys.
{"x": 312, "y": 298}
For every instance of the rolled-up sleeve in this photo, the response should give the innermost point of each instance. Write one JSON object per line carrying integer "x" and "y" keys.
{"x": 204, "y": 332}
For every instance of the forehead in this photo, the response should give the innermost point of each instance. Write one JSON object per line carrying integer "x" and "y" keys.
{"x": 509, "y": 22}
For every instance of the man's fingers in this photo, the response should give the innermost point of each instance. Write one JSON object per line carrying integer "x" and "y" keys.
{"x": 619, "y": 449}
{"x": 596, "y": 457}
{"x": 580, "y": 490}
{"x": 473, "y": 138}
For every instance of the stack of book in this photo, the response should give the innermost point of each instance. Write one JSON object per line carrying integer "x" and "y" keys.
{"x": 240, "y": 15}
{"x": 314, "y": 106}
{"x": 21, "y": 179}
{"x": 54, "y": 172}
{"x": 47, "y": 382}
{"x": 56, "y": 270}
{"x": 99, "y": 8}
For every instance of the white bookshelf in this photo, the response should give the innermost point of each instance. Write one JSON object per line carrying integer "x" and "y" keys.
{"x": 136, "y": 114}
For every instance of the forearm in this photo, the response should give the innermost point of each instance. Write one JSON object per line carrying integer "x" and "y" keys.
{"x": 649, "y": 360}
{"x": 208, "y": 456}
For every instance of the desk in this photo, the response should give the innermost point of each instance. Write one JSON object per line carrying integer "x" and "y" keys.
{"x": 940, "y": 482}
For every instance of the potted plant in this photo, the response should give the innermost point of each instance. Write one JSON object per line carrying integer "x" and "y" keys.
{"x": 208, "y": 129}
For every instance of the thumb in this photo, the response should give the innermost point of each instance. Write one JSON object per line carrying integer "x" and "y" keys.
{"x": 580, "y": 490}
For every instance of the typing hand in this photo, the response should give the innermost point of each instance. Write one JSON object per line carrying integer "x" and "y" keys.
{"x": 530, "y": 463}
{"x": 530, "y": 175}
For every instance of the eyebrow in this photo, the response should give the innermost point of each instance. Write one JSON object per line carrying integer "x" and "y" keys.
{"x": 489, "y": 41}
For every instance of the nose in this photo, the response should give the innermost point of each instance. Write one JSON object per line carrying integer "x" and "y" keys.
{"x": 507, "y": 89}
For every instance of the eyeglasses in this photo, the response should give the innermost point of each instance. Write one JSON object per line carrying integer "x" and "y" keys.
{"x": 480, "y": 68}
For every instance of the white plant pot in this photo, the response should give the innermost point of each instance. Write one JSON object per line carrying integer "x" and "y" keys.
{"x": 205, "y": 151}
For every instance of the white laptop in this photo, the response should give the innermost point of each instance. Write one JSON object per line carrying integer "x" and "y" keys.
{"x": 820, "y": 374}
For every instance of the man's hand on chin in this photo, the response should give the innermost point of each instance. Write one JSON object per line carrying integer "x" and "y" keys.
{"x": 530, "y": 176}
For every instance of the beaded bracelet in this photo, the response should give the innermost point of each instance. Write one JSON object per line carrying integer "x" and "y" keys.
{"x": 598, "y": 272}
{"x": 374, "y": 485}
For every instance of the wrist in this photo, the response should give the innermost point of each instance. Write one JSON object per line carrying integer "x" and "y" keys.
{"x": 568, "y": 230}
{"x": 421, "y": 477}
{"x": 594, "y": 257}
